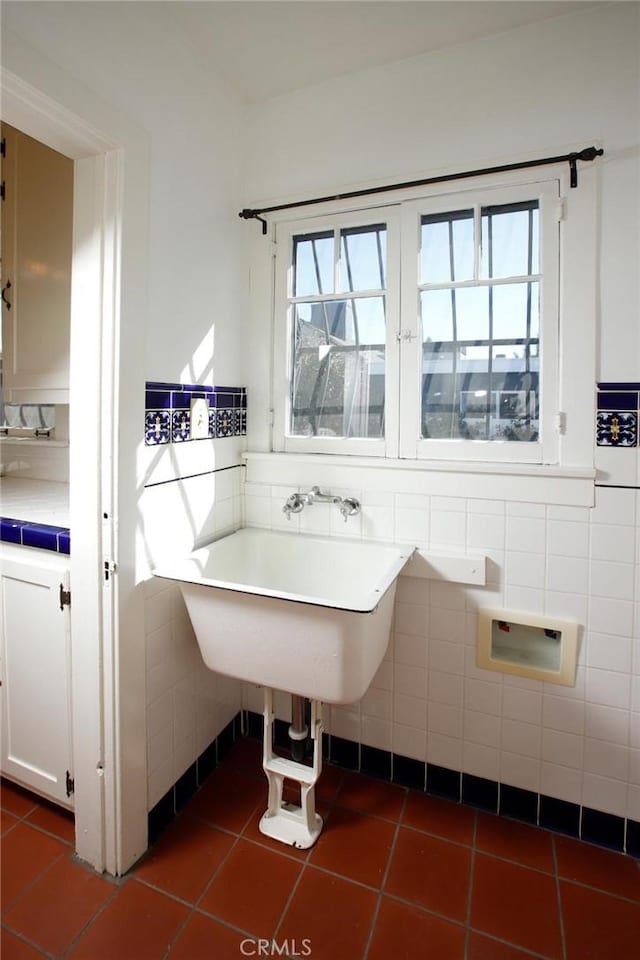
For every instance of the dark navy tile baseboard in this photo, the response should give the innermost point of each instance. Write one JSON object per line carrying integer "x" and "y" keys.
{"x": 164, "y": 811}
{"x": 167, "y": 416}
{"x": 593, "y": 826}
{"x": 41, "y": 535}
{"x": 571, "y": 819}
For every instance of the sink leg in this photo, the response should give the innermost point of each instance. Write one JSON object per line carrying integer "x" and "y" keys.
{"x": 297, "y": 826}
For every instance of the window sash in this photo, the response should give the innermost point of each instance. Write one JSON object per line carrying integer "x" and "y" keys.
{"x": 412, "y": 444}
{"x": 403, "y": 344}
{"x": 284, "y": 343}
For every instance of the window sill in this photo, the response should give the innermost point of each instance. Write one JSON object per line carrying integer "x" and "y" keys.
{"x": 530, "y": 483}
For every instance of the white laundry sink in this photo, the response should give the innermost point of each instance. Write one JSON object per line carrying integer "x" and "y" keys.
{"x": 304, "y": 614}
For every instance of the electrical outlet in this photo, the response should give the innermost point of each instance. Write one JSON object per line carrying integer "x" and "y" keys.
{"x": 199, "y": 418}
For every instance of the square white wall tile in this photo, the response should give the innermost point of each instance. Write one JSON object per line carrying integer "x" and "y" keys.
{"x": 526, "y": 534}
{"x": 482, "y": 728}
{"x": 613, "y": 580}
{"x": 376, "y": 733}
{"x": 608, "y": 688}
{"x": 485, "y": 530}
{"x": 609, "y": 652}
{"x": 481, "y": 761}
{"x": 410, "y": 711}
{"x": 567, "y": 539}
{"x": 524, "y": 598}
{"x": 612, "y": 542}
{"x": 449, "y": 625}
{"x": 444, "y": 751}
{"x": 564, "y": 783}
{"x": 520, "y": 771}
{"x": 525, "y": 569}
{"x": 564, "y": 749}
{"x": 568, "y": 574}
{"x": 606, "y": 759}
{"x": 410, "y": 650}
{"x": 445, "y": 688}
{"x": 447, "y": 657}
{"x": 604, "y": 793}
{"x": 523, "y": 705}
{"x": 614, "y": 506}
{"x": 482, "y": 696}
{"x": 448, "y": 529}
{"x": 410, "y": 680}
{"x": 409, "y": 742}
{"x": 521, "y": 738}
{"x": 564, "y": 714}
{"x": 445, "y": 719}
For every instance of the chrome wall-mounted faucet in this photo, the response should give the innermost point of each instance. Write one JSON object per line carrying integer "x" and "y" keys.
{"x": 349, "y": 506}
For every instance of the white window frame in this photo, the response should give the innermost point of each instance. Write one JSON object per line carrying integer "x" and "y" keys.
{"x": 576, "y": 215}
{"x": 283, "y": 336}
{"x": 412, "y": 445}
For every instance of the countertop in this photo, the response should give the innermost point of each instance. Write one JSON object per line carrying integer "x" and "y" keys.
{"x": 35, "y": 513}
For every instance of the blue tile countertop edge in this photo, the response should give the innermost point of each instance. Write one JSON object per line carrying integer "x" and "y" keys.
{"x": 40, "y": 535}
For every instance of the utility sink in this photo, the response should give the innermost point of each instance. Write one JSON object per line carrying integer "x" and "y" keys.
{"x": 304, "y": 614}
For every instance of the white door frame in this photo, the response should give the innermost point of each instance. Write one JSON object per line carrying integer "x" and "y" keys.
{"x": 95, "y": 311}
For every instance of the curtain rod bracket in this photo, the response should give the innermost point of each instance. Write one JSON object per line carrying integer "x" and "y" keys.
{"x": 588, "y": 154}
{"x": 248, "y": 214}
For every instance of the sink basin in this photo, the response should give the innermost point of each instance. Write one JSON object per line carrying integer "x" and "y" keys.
{"x": 304, "y": 614}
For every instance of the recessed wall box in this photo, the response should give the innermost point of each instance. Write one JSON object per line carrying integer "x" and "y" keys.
{"x": 528, "y": 645}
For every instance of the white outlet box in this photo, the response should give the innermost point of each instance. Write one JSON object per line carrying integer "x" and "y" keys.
{"x": 199, "y": 429}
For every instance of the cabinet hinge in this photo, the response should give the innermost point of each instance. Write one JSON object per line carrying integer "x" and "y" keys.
{"x": 65, "y": 597}
{"x": 3, "y": 147}
{"x": 69, "y": 784}
{"x": 561, "y": 209}
{"x": 2, "y": 191}
{"x": 561, "y": 422}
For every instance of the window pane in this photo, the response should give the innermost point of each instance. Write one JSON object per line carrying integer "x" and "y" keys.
{"x": 515, "y": 310}
{"x": 339, "y": 369}
{"x": 313, "y": 264}
{"x": 510, "y": 240}
{"x": 474, "y": 387}
{"x": 446, "y": 247}
{"x": 363, "y": 254}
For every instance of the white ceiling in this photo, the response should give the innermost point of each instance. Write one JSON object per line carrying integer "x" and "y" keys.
{"x": 265, "y": 48}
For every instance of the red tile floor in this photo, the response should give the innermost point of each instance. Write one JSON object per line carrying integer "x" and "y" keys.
{"x": 395, "y": 875}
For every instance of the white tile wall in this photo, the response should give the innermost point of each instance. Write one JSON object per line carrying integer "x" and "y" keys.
{"x": 430, "y": 701}
{"x": 187, "y": 704}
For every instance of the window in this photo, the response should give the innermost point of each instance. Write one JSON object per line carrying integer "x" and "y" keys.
{"x": 423, "y": 329}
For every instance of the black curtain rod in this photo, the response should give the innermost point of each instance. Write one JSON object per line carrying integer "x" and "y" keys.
{"x": 589, "y": 153}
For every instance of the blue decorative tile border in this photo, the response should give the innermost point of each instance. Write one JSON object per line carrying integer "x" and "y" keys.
{"x": 618, "y": 412}
{"x": 41, "y": 535}
{"x": 167, "y": 416}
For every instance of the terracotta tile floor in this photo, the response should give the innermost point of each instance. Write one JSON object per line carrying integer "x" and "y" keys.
{"x": 395, "y": 875}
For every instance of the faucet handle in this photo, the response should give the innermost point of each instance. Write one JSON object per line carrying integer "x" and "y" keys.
{"x": 349, "y": 507}
{"x": 294, "y": 504}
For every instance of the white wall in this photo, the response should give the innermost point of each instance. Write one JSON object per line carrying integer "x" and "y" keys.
{"x": 537, "y": 91}
{"x": 124, "y": 69}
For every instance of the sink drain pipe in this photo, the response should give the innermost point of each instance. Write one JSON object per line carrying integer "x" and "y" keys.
{"x": 298, "y": 731}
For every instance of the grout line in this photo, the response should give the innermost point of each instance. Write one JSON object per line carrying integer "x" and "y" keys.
{"x": 526, "y": 951}
{"x": 385, "y": 877}
{"x": 89, "y": 924}
{"x": 472, "y": 864}
{"x": 30, "y": 943}
{"x": 563, "y": 940}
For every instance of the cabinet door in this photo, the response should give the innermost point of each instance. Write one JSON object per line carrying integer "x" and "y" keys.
{"x": 36, "y": 702}
{"x": 37, "y": 225}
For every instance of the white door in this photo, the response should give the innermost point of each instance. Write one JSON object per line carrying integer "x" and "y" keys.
{"x": 36, "y": 734}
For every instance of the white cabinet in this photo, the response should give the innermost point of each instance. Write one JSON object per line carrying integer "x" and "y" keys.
{"x": 37, "y": 227}
{"x": 36, "y": 672}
